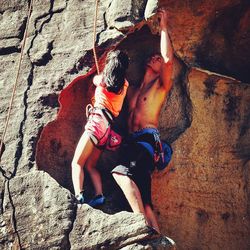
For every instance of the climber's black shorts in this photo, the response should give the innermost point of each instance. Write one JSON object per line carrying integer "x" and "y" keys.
{"x": 137, "y": 164}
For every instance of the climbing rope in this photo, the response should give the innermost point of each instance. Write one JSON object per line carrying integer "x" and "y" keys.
{"x": 19, "y": 66}
{"x": 94, "y": 37}
{"x": 17, "y": 76}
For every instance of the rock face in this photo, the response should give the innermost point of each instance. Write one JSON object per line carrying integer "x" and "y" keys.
{"x": 35, "y": 207}
{"x": 207, "y": 185}
{"x": 119, "y": 231}
{"x": 201, "y": 201}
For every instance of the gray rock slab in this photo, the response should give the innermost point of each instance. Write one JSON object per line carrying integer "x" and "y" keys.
{"x": 156, "y": 244}
{"x": 37, "y": 213}
{"x": 94, "y": 229}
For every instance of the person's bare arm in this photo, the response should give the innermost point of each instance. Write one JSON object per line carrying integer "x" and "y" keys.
{"x": 166, "y": 51}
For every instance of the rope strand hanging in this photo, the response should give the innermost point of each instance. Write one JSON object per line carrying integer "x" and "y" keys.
{"x": 17, "y": 76}
{"x": 94, "y": 37}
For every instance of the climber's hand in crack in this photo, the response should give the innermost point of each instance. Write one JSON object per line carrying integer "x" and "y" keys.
{"x": 163, "y": 18}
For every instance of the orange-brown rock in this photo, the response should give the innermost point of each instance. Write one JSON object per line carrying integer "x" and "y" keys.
{"x": 204, "y": 196}
{"x": 202, "y": 200}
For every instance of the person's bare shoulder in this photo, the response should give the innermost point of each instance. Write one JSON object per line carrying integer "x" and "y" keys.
{"x": 98, "y": 80}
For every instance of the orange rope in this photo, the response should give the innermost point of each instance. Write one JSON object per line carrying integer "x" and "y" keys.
{"x": 94, "y": 37}
{"x": 17, "y": 75}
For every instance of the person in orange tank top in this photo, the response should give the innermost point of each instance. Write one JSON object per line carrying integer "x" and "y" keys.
{"x": 111, "y": 89}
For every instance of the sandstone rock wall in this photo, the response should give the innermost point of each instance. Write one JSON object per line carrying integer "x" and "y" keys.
{"x": 201, "y": 201}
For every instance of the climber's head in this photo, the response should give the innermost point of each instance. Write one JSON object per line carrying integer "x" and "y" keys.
{"x": 154, "y": 62}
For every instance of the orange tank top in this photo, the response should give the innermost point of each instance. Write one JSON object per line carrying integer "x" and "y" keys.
{"x": 109, "y": 100}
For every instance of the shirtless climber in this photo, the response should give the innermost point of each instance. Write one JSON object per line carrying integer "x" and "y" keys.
{"x": 133, "y": 174}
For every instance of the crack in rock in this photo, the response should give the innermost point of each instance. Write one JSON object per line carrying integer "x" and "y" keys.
{"x": 41, "y": 61}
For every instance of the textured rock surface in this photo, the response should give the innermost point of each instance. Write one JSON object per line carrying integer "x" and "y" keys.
{"x": 113, "y": 231}
{"x": 203, "y": 200}
{"x": 213, "y": 35}
{"x": 208, "y": 184}
{"x": 37, "y": 213}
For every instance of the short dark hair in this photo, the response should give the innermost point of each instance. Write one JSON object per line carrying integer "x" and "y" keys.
{"x": 114, "y": 71}
{"x": 149, "y": 56}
